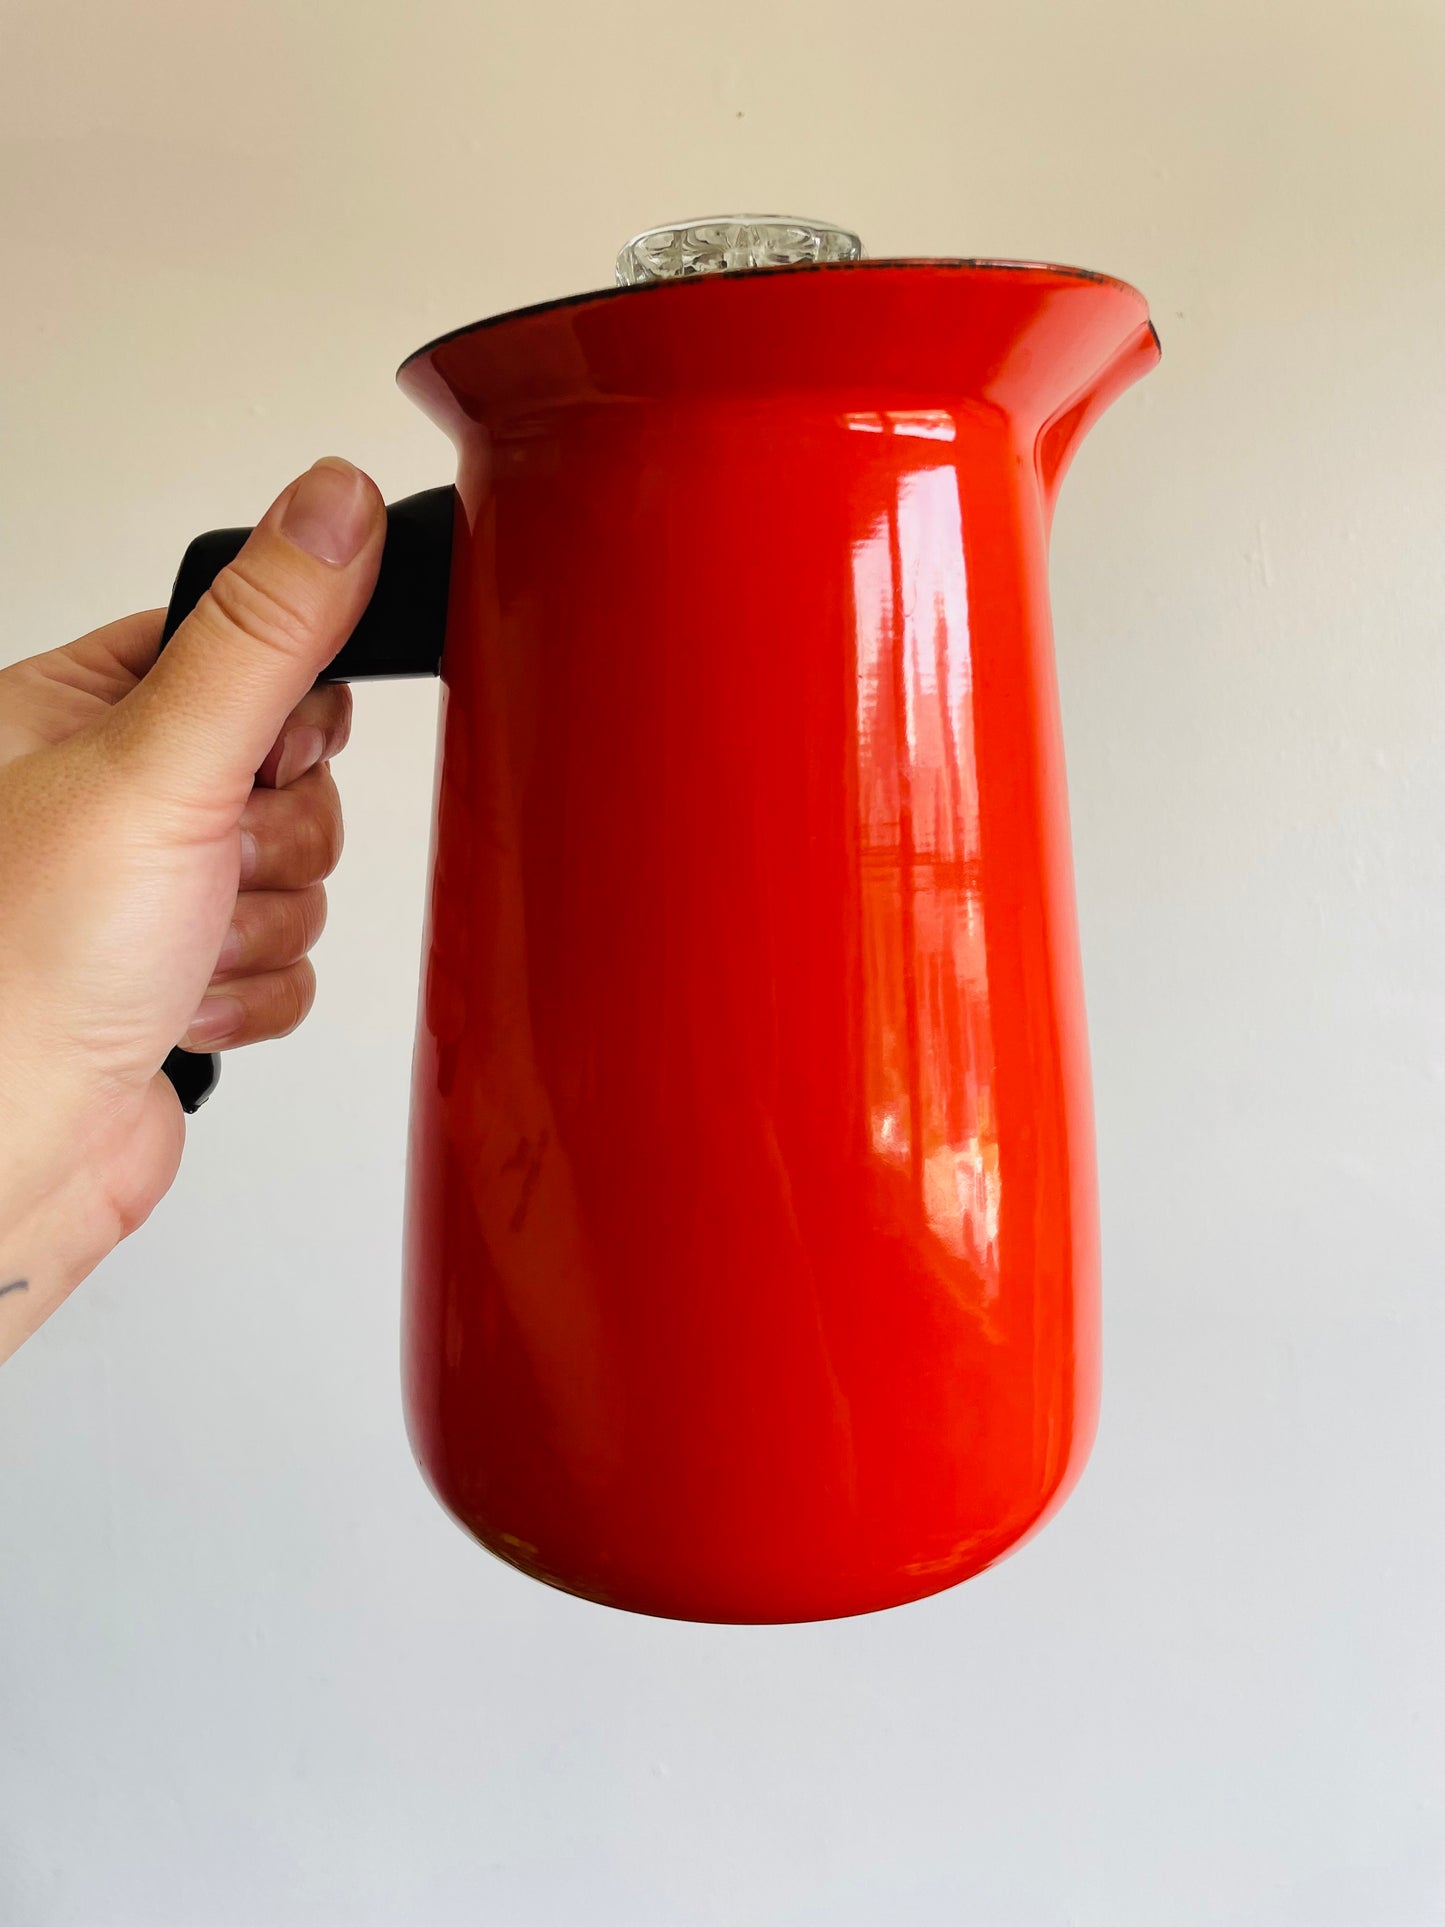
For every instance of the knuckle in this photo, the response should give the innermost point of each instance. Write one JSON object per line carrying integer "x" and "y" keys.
{"x": 333, "y": 705}
{"x": 338, "y": 724}
{"x": 292, "y": 998}
{"x": 323, "y": 706}
{"x": 321, "y": 839}
{"x": 299, "y": 919}
{"x": 312, "y": 917}
{"x": 285, "y": 937}
{"x": 279, "y": 928}
{"x": 290, "y": 942}
{"x": 267, "y": 609}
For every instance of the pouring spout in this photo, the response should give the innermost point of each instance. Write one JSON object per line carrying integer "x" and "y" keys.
{"x": 1061, "y": 434}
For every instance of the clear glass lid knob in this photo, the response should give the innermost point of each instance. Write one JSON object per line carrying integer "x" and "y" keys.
{"x": 725, "y": 241}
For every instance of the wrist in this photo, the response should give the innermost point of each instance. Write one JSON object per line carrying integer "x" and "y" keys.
{"x": 38, "y": 1134}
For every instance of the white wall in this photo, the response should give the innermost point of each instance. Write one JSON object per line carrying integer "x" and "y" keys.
{"x": 250, "y": 1676}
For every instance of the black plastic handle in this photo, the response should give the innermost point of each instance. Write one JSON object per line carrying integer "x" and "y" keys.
{"x": 400, "y": 633}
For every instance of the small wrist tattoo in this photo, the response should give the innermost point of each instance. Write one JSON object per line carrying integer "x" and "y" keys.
{"x": 16, "y": 1284}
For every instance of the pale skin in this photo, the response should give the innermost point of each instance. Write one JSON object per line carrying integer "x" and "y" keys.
{"x": 166, "y": 827}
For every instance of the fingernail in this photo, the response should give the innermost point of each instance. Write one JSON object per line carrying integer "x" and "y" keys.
{"x": 215, "y": 1020}
{"x": 230, "y": 950}
{"x": 249, "y": 856}
{"x": 302, "y": 750}
{"x": 330, "y": 511}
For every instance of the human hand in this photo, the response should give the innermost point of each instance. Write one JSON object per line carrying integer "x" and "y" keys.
{"x": 165, "y": 827}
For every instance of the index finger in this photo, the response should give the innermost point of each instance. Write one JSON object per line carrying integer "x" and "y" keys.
{"x": 121, "y": 650}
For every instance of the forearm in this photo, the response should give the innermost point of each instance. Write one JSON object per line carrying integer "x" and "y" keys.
{"x": 36, "y": 1273}
{"x": 54, "y": 1226}
{"x": 46, "y": 1248}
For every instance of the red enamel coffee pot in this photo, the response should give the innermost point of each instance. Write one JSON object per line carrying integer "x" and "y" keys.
{"x": 752, "y": 1238}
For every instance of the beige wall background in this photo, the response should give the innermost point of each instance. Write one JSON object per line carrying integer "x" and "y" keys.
{"x": 250, "y": 1676}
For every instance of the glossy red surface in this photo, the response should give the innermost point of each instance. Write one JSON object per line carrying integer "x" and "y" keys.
{"x": 752, "y": 1267}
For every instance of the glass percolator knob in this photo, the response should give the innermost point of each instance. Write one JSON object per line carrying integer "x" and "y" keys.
{"x": 729, "y": 241}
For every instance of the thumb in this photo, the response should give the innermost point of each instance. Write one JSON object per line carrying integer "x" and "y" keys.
{"x": 212, "y": 706}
